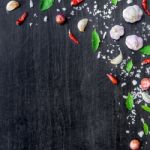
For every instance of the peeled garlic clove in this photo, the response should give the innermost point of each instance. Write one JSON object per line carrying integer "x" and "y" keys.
{"x": 117, "y": 60}
{"x": 146, "y": 97}
{"x": 82, "y": 24}
{"x": 12, "y": 5}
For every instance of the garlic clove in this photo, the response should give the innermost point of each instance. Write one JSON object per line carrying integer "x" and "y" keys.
{"x": 82, "y": 24}
{"x": 117, "y": 60}
{"x": 146, "y": 97}
{"x": 12, "y": 5}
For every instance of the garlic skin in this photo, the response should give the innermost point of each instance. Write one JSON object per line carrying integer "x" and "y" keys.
{"x": 82, "y": 24}
{"x": 116, "y": 32}
{"x": 134, "y": 42}
{"x": 132, "y": 14}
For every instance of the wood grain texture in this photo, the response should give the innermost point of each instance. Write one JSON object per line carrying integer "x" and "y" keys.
{"x": 54, "y": 95}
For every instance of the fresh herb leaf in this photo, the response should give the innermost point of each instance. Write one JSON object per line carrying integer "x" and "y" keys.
{"x": 129, "y": 102}
{"x": 46, "y": 4}
{"x": 145, "y": 50}
{"x": 146, "y": 128}
{"x": 146, "y": 108}
{"x": 114, "y": 2}
{"x": 129, "y": 66}
{"x": 95, "y": 40}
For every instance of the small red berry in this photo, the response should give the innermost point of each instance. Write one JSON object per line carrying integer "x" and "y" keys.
{"x": 60, "y": 19}
{"x": 145, "y": 84}
{"x": 135, "y": 144}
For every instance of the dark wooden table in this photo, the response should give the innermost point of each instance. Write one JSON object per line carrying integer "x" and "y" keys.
{"x": 54, "y": 95}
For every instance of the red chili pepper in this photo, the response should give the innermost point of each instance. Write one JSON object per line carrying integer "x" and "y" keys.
{"x": 22, "y": 18}
{"x": 73, "y": 38}
{"x": 146, "y": 61}
{"x": 112, "y": 79}
{"x": 145, "y": 7}
{"x": 76, "y": 2}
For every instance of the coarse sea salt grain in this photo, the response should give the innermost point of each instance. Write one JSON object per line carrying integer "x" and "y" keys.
{"x": 45, "y": 19}
{"x": 30, "y": 24}
{"x": 123, "y": 84}
{"x": 134, "y": 82}
{"x": 129, "y": 1}
{"x": 31, "y": 4}
{"x": 127, "y": 131}
{"x": 140, "y": 134}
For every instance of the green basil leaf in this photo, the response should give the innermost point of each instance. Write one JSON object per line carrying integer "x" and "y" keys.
{"x": 129, "y": 102}
{"x": 146, "y": 108}
{"x": 114, "y": 2}
{"x": 145, "y": 50}
{"x": 46, "y": 4}
{"x": 95, "y": 40}
{"x": 146, "y": 128}
{"x": 129, "y": 66}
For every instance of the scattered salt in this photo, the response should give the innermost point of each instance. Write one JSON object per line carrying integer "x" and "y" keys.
{"x": 45, "y": 19}
{"x": 140, "y": 134}
{"x": 31, "y": 4}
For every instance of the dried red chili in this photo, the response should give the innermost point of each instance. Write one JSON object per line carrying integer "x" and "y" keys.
{"x": 145, "y": 7}
{"x": 112, "y": 79}
{"x": 76, "y": 2}
{"x": 22, "y": 18}
{"x": 73, "y": 38}
{"x": 146, "y": 61}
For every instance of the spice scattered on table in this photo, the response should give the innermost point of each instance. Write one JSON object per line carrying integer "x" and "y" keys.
{"x": 139, "y": 94}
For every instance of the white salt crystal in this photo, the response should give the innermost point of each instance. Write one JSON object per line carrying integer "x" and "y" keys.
{"x": 129, "y": 1}
{"x": 134, "y": 82}
{"x": 31, "y": 4}
{"x": 127, "y": 131}
{"x": 45, "y": 19}
{"x": 140, "y": 134}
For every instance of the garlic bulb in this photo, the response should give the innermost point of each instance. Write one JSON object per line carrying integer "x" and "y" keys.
{"x": 132, "y": 14}
{"x": 116, "y": 32}
{"x": 82, "y": 24}
{"x": 134, "y": 42}
{"x": 12, "y": 5}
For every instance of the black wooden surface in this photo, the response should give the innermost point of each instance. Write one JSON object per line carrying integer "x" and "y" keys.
{"x": 54, "y": 95}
